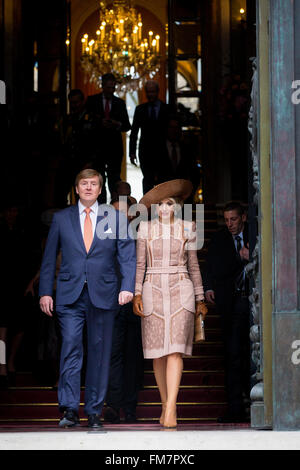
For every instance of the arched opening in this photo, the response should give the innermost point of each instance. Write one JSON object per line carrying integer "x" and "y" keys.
{"x": 131, "y": 173}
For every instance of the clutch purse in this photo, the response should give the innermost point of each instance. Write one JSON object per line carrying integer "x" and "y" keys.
{"x": 199, "y": 329}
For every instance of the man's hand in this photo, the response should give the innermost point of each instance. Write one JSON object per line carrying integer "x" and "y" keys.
{"x": 138, "y": 305}
{"x": 210, "y": 296}
{"x": 46, "y": 305}
{"x": 201, "y": 309}
{"x": 244, "y": 252}
{"x": 125, "y": 297}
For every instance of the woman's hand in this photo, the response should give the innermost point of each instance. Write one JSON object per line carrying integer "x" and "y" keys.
{"x": 138, "y": 305}
{"x": 201, "y": 309}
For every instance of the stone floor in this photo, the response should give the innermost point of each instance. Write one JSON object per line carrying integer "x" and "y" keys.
{"x": 146, "y": 437}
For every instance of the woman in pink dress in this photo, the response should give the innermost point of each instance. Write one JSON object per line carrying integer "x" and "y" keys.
{"x": 168, "y": 291}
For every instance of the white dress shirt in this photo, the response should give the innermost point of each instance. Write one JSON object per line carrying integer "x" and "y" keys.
{"x": 93, "y": 216}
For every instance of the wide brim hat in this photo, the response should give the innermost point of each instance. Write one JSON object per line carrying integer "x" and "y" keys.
{"x": 180, "y": 188}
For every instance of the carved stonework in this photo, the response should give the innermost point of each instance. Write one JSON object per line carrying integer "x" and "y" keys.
{"x": 252, "y": 268}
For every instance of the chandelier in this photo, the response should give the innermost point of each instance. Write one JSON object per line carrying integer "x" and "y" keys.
{"x": 119, "y": 48}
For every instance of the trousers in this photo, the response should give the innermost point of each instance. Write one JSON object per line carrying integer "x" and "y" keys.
{"x": 99, "y": 329}
{"x": 236, "y": 329}
{"x": 126, "y": 366}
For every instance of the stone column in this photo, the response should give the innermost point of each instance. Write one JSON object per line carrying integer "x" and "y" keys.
{"x": 285, "y": 171}
{"x": 261, "y": 266}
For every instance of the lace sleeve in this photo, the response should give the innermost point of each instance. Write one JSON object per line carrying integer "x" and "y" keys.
{"x": 141, "y": 256}
{"x": 193, "y": 264}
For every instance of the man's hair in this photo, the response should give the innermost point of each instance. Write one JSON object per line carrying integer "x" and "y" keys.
{"x": 122, "y": 184}
{"x": 124, "y": 198}
{"x": 234, "y": 206}
{"x": 76, "y": 92}
{"x": 108, "y": 77}
{"x": 88, "y": 173}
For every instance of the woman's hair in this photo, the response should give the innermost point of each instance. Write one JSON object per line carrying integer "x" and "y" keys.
{"x": 177, "y": 200}
{"x": 88, "y": 173}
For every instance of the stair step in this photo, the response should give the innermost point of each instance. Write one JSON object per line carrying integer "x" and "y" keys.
{"x": 214, "y": 348}
{"x": 192, "y": 378}
{"x": 46, "y": 411}
{"x": 195, "y": 394}
{"x": 203, "y": 362}
{"x": 149, "y": 394}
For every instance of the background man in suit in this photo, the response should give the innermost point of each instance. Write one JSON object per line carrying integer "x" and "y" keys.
{"x": 79, "y": 144}
{"x": 226, "y": 285}
{"x": 178, "y": 159}
{"x": 111, "y": 113}
{"x": 151, "y": 119}
{"x": 127, "y": 360}
{"x": 86, "y": 292}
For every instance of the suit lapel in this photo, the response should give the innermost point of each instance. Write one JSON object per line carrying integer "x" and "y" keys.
{"x": 231, "y": 244}
{"x": 76, "y": 226}
{"x": 77, "y": 229}
{"x": 94, "y": 242}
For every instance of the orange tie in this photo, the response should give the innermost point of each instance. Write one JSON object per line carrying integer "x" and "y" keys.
{"x": 88, "y": 230}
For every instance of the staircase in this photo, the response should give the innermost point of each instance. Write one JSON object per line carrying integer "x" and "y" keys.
{"x": 201, "y": 397}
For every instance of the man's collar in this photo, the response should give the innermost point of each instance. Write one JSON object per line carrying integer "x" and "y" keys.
{"x": 241, "y": 235}
{"x": 94, "y": 207}
{"x": 154, "y": 103}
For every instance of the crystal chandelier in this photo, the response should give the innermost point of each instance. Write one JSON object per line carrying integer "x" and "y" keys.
{"x": 120, "y": 49}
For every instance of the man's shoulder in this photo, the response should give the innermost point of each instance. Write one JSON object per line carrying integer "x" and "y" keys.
{"x": 118, "y": 100}
{"x": 164, "y": 105}
{"x": 96, "y": 96}
{"x": 221, "y": 235}
{"x": 142, "y": 107}
{"x": 62, "y": 213}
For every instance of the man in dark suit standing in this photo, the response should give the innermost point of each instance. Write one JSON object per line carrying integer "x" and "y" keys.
{"x": 112, "y": 116}
{"x": 226, "y": 285}
{"x": 177, "y": 159}
{"x": 151, "y": 119}
{"x": 93, "y": 247}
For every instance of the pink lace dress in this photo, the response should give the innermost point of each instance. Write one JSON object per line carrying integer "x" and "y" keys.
{"x": 169, "y": 279}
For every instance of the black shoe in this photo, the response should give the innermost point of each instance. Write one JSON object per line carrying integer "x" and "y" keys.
{"x": 112, "y": 415}
{"x": 130, "y": 418}
{"x": 69, "y": 419}
{"x": 94, "y": 421}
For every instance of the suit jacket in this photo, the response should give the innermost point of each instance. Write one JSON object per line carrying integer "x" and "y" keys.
{"x": 152, "y": 132}
{"x": 186, "y": 167}
{"x": 110, "y": 140}
{"x": 97, "y": 267}
{"x": 223, "y": 264}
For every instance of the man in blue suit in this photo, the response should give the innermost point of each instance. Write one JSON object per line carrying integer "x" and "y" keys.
{"x": 92, "y": 246}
